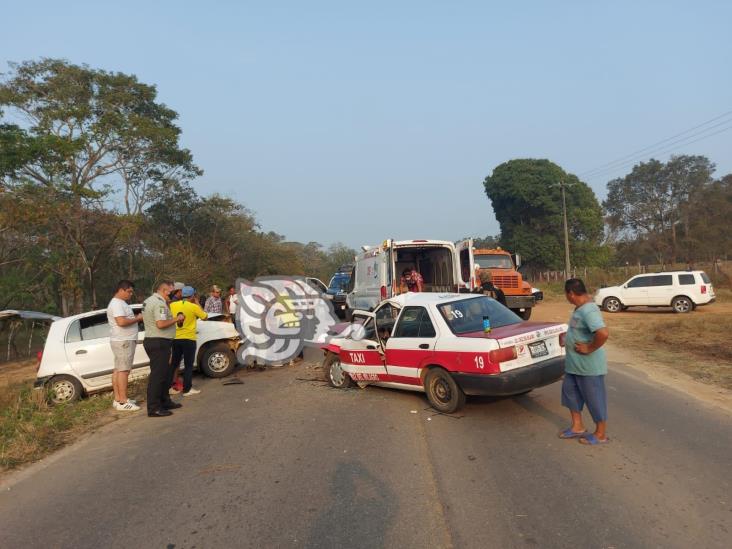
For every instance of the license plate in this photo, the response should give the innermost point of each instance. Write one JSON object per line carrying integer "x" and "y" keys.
{"x": 538, "y": 349}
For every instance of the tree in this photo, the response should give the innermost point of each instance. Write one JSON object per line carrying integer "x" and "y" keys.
{"x": 652, "y": 202}
{"x": 526, "y": 199}
{"x": 88, "y": 130}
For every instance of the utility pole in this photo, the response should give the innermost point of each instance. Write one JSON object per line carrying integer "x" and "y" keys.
{"x": 566, "y": 231}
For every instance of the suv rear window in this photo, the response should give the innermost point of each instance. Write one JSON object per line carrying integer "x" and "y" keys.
{"x": 686, "y": 279}
{"x": 466, "y": 315}
{"x": 705, "y": 278}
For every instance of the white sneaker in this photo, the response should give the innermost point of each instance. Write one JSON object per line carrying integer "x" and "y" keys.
{"x": 173, "y": 391}
{"x": 125, "y": 406}
{"x": 131, "y": 401}
{"x": 192, "y": 392}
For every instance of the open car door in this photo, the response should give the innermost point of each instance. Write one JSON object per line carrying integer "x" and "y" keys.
{"x": 360, "y": 353}
{"x": 464, "y": 264}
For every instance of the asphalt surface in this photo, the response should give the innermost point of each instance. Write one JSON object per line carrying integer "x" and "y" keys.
{"x": 281, "y": 461}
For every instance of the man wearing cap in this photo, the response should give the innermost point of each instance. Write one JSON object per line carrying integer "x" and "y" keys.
{"x": 184, "y": 344}
{"x": 175, "y": 294}
{"x": 159, "y": 333}
{"x": 213, "y": 304}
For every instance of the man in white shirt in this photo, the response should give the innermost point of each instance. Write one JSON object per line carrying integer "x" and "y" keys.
{"x": 123, "y": 340}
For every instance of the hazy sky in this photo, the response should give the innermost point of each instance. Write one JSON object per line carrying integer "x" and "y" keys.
{"x": 355, "y": 122}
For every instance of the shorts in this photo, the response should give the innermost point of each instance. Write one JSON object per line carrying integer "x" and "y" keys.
{"x": 580, "y": 390}
{"x": 124, "y": 354}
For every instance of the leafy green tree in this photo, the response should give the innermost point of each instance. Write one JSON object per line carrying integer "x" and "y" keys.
{"x": 89, "y": 132}
{"x": 527, "y": 201}
{"x": 652, "y": 203}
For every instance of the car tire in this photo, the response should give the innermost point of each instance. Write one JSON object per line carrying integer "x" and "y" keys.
{"x": 348, "y": 314}
{"x": 612, "y": 305}
{"x": 217, "y": 360}
{"x": 525, "y": 315}
{"x": 682, "y": 304}
{"x": 443, "y": 393}
{"x": 63, "y": 389}
{"x": 334, "y": 374}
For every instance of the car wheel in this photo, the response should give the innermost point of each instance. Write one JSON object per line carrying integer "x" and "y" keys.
{"x": 217, "y": 360}
{"x": 334, "y": 374}
{"x": 525, "y": 314}
{"x": 682, "y": 304}
{"x": 348, "y": 315}
{"x": 64, "y": 389}
{"x": 612, "y": 305}
{"x": 443, "y": 393}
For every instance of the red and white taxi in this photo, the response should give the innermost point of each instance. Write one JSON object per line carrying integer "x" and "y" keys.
{"x": 436, "y": 343}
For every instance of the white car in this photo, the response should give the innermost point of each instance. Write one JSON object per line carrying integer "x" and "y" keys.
{"x": 438, "y": 343}
{"x": 680, "y": 290}
{"x": 77, "y": 358}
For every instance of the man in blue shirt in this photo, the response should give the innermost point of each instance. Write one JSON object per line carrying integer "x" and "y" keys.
{"x": 585, "y": 366}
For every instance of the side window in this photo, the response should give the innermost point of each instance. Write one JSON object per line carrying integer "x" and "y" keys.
{"x": 640, "y": 282}
{"x": 74, "y": 333}
{"x": 661, "y": 280}
{"x": 94, "y": 327}
{"x": 414, "y": 322}
{"x": 686, "y": 279}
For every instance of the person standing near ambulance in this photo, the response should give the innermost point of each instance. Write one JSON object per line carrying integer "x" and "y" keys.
{"x": 159, "y": 333}
{"x": 184, "y": 344}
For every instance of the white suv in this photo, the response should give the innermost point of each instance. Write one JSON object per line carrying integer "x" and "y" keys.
{"x": 77, "y": 358}
{"x": 681, "y": 290}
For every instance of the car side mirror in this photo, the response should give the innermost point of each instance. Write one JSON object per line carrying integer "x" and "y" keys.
{"x": 625, "y": 286}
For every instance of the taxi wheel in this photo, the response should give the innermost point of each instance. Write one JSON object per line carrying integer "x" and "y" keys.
{"x": 334, "y": 374}
{"x": 443, "y": 393}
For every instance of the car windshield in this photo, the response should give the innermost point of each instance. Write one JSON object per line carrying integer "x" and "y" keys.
{"x": 339, "y": 283}
{"x": 498, "y": 261}
{"x": 466, "y": 315}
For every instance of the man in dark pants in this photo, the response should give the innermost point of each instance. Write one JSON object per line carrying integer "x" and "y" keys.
{"x": 158, "y": 342}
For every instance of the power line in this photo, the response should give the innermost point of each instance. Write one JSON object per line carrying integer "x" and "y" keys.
{"x": 665, "y": 142}
{"x": 666, "y": 149}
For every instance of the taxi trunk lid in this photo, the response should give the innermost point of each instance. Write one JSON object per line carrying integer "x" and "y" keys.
{"x": 534, "y": 342}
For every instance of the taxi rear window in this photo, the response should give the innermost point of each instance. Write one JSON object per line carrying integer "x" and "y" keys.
{"x": 466, "y": 315}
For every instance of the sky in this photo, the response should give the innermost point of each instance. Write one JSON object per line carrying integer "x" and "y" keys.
{"x": 355, "y": 122}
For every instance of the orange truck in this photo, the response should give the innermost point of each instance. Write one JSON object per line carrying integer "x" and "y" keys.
{"x": 520, "y": 297}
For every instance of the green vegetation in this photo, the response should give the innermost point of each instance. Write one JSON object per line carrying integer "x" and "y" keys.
{"x": 30, "y": 428}
{"x": 526, "y": 199}
{"x": 95, "y": 187}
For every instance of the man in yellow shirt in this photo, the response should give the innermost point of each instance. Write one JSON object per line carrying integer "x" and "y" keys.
{"x": 184, "y": 344}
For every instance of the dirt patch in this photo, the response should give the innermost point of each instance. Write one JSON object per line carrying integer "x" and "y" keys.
{"x": 696, "y": 343}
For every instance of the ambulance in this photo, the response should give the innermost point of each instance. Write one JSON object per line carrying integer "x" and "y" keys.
{"x": 444, "y": 266}
{"x": 447, "y": 345}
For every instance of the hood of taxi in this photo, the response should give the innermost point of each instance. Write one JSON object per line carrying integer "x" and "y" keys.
{"x": 511, "y": 330}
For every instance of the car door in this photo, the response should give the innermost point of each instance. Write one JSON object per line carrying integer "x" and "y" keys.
{"x": 635, "y": 291}
{"x": 360, "y": 353}
{"x": 88, "y": 351}
{"x": 660, "y": 290}
{"x": 411, "y": 345}
{"x": 465, "y": 263}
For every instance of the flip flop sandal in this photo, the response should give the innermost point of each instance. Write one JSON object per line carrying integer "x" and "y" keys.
{"x": 592, "y": 440}
{"x": 569, "y": 433}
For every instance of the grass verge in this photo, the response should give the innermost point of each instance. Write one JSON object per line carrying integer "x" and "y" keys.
{"x": 31, "y": 429}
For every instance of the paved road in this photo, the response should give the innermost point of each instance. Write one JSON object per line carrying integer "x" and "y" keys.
{"x": 282, "y": 462}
